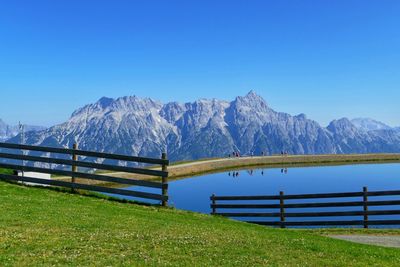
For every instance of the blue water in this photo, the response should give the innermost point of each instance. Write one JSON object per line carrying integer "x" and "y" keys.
{"x": 194, "y": 193}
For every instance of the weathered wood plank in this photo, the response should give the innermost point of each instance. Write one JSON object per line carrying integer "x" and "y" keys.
{"x": 250, "y": 214}
{"x": 365, "y": 206}
{"x": 74, "y": 168}
{"x": 245, "y": 206}
{"x": 282, "y": 208}
{"x": 383, "y": 193}
{"x": 384, "y": 203}
{"x": 287, "y": 197}
{"x": 384, "y": 222}
{"x": 296, "y": 205}
{"x": 164, "y": 180}
{"x": 307, "y": 205}
{"x": 308, "y": 214}
{"x": 311, "y": 223}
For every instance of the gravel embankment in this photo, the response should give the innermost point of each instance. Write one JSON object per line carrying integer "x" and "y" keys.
{"x": 385, "y": 241}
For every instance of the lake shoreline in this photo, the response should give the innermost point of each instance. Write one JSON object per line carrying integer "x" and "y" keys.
{"x": 180, "y": 170}
{"x": 216, "y": 165}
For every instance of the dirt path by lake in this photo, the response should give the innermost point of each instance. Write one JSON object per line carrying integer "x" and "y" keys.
{"x": 385, "y": 241}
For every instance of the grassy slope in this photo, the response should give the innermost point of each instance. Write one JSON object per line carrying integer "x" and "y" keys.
{"x": 6, "y": 171}
{"x": 44, "y": 227}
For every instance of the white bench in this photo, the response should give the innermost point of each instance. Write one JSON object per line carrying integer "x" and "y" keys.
{"x": 34, "y": 175}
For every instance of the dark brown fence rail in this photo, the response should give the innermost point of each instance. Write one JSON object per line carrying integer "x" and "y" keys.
{"x": 74, "y": 163}
{"x": 279, "y": 209}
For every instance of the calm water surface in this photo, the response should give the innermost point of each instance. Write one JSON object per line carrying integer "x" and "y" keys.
{"x": 194, "y": 193}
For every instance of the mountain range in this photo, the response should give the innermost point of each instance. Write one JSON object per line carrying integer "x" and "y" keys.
{"x": 209, "y": 128}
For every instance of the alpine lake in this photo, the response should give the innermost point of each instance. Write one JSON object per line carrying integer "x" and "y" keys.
{"x": 193, "y": 193}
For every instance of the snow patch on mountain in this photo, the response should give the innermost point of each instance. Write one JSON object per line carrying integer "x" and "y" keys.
{"x": 368, "y": 124}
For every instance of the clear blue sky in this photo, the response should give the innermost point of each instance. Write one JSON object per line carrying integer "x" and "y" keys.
{"x": 328, "y": 59}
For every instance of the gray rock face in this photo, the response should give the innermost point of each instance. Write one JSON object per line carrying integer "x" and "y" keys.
{"x": 8, "y": 131}
{"x": 208, "y": 128}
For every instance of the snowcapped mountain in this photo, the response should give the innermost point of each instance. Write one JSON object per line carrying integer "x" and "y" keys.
{"x": 8, "y": 131}
{"x": 207, "y": 128}
{"x": 368, "y": 124}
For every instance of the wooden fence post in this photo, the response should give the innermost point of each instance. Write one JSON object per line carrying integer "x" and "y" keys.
{"x": 282, "y": 209}
{"x": 213, "y": 204}
{"x": 365, "y": 204}
{"x": 164, "y": 181}
{"x": 74, "y": 167}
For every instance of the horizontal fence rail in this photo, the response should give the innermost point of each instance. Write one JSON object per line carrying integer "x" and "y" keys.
{"x": 74, "y": 162}
{"x": 231, "y": 207}
{"x": 85, "y": 153}
{"x": 83, "y": 164}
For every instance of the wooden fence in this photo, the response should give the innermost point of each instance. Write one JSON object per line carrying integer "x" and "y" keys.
{"x": 71, "y": 159}
{"x": 279, "y": 208}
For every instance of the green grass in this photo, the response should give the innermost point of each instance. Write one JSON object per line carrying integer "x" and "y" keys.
{"x": 42, "y": 227}
{"x": 6, "y": 171}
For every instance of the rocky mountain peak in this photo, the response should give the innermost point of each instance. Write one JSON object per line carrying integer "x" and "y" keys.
{"x": 252, "y": 99}
{"x": 250, "y": 108}
{"x": 343, "y": 123}
{"x": 301, "y": 116}
{"x": 252, "y": 94}
{"x": 105, "y": 102}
